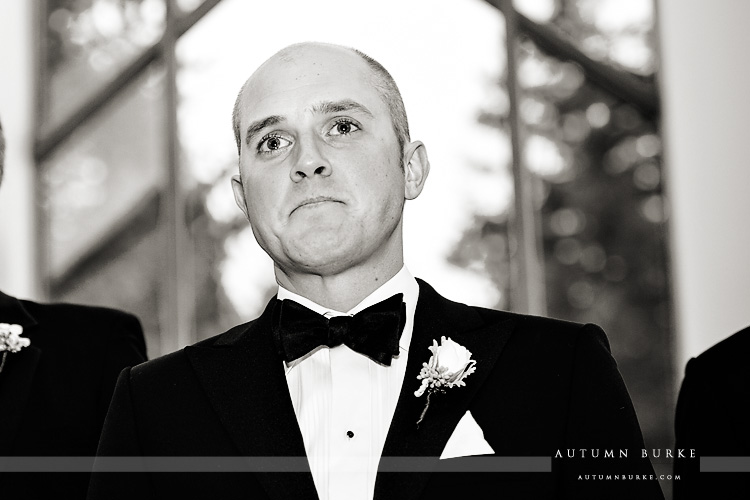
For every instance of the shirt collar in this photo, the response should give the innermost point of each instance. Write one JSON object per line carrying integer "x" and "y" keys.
{"x": 401, "y": 282}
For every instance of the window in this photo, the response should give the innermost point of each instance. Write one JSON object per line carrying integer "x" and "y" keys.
{"x": 542, "y": 127}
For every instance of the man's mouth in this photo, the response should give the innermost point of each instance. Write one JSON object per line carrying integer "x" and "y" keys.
{"x": 315, "y": 201}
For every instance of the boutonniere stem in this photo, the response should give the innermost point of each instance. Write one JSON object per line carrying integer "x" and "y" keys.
{"x": 448, "y": 366}
{"x": 424, "y": 410}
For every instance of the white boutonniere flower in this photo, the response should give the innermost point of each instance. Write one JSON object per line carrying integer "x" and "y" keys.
{"x": 11, "y": 341}
{"x": 448, "y": 367}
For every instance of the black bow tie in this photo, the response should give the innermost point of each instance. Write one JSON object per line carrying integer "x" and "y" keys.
{"x": 374, "y": 331}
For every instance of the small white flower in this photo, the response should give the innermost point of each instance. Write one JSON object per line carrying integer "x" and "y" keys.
{"x": 10, "y": 338}
{"x": 448, "y": 367}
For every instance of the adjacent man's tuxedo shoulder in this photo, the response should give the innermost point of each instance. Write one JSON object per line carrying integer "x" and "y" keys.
{"x": 711, "y": 417}
{"x": 726, "y": 359}
{"x": 84, "y": 319}
{"x": 713, "y": 403}
{"x": 82, "y": 328}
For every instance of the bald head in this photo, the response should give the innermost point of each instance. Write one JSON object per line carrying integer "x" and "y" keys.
{"x": 379, "y": 78}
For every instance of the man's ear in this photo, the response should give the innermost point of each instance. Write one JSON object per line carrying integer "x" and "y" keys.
{"x": 239, "y": 194}
{"x": 416, "y": 169}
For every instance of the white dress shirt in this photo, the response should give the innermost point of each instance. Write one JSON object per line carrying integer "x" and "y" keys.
{"x": 345, "y": 402}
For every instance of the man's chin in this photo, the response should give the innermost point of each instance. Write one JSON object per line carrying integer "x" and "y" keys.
{"x": 321, "y": 255}
{"x": 311, "y": 267}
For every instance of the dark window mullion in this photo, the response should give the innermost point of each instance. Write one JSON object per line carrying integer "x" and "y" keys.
{"x": 49, "y": 140}
{"x": 527, "y": 272}
{"x": 640, "y": 92}
{"x": 130, "y": 229}
{"x": 47, "y": 143}
{"x": 41, "y": 104}
{"x": 177, "y": 298}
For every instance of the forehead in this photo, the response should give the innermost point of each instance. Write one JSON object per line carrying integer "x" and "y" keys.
{"x": 293, "y": 83}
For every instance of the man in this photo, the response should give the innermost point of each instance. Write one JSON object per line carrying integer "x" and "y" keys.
{"x": 326, "y": 165}
{"x": 712, "y": 414}
{"x": 56, "y": 385}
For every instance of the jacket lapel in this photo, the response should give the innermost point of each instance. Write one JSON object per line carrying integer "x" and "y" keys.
{"x": 436, "y": 317}
{"x": 243, "y": 376}
{"x": 18, "y": 373}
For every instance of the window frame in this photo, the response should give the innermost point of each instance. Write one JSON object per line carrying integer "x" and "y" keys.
{"x": 527, "y": 273}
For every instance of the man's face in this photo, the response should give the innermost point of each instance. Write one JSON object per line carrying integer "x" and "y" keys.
{"x": 322, "y": 183}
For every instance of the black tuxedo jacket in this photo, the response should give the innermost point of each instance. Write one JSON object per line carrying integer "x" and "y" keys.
{"x": 54, "y": 394}
{"x": 540, "y": 385}
{"x": 713, "y": 411}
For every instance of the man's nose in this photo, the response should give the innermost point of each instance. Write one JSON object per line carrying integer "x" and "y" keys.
{"x": 310, "y": 162}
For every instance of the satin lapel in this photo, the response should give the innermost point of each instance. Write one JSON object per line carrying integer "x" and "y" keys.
{"x": 243, "y": 377}
{"x": 18, "y": 373}
{"x": 436, "y": 317}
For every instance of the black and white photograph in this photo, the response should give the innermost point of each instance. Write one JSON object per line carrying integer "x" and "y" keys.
{"x": 359, "y": 250}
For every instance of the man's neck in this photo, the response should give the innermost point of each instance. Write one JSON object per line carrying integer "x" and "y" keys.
{"x": 342, "y": 291}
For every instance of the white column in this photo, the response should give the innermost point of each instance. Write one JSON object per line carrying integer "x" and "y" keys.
{"x": 706, "y": 101}
{"x": 17, "y": 225}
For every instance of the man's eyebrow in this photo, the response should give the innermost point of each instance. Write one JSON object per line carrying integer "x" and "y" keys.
{"x": 324, "y": 107}
{"x": 330, "y": 107}
{"x": 259, "y": 125}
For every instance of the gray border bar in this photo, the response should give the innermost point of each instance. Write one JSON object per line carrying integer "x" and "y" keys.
{"x": 264, "y": 464}
{"x": 300, "y": 464}
{"x": 725, "y": 464}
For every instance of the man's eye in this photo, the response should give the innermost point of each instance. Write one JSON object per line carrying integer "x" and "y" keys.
{"x": 343, "y": 127}
{"x": 272, "y": 143}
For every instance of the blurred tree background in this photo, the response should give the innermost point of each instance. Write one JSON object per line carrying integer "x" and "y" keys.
{"x": 135, "y": 151}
